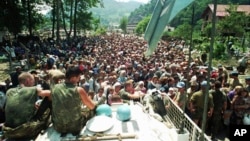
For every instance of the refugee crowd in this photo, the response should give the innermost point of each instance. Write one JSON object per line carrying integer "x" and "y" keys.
{"x": 111, "y": 69}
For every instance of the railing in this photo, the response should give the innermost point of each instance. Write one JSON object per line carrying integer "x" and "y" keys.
{"x": 175, "y": 117}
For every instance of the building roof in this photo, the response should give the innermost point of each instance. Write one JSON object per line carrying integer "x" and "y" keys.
{"x": 221, "y": 9}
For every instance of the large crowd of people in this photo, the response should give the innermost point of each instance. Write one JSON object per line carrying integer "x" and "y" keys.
{"x": 111, "y": 69}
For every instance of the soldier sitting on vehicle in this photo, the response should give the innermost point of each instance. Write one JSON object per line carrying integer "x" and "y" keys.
{"x": 68, "y": 99}
{"x": 25, "y": 119}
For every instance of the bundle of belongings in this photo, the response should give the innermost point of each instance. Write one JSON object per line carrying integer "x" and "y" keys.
{"x": 155, "y": 104}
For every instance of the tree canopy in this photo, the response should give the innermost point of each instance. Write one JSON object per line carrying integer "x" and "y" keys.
{"x": 19, "y": 15}
{"x": 123, "y": 24}
{"x": 142, "y": 25}
{"x": 200, "y": 5}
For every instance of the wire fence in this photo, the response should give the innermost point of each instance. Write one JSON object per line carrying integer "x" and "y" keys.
{"x": 176, "y": 117}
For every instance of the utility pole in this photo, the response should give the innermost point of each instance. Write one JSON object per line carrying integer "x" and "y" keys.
{"x": 204, "y": 116}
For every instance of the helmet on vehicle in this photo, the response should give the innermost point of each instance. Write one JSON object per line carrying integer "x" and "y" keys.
{"x": 104, "y": 109}
{"x": 246, "y": 119}
{"x": 123, "y": 112}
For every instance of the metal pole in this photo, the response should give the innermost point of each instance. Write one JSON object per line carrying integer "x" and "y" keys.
{"x": 191, "y": 38}
{"x": 182, "y": 126}
{"x": 204, "y": 118}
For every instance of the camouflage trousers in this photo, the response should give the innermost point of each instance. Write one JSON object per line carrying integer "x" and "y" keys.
{"x": 87, "y": 114}
{"x": 28, "y": 130}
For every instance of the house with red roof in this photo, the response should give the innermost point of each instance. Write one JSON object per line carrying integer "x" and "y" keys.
{"x": 221, "y": 12}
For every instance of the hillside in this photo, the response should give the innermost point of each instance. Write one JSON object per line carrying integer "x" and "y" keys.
{"x": 113, "y": 11}
{"x": 147, "y": 9}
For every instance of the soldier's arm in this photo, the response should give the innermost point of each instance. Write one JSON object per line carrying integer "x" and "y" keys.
{"x": 85, "y": 99}
{"x": 43, "y": 93}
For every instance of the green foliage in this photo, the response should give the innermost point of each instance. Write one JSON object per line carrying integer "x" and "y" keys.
{"x": 11, "y": 16}
{"x": 40, "y": 21}
{"x": 201, "y": 41}
{"x": 199, "y": 5}
{"x": 17, "y": 15}
{"x": 140, "y": 13}
{"x": 142, "y": 25}
{"x": 95, "y": 23}
{"x": 234, "y": 23}
{"x": 88, "y": 23}
{"x": 203, "y": 44}
{"x": 73, "y": 13}
{"x": 123, "y": 24}
{"x": 219, "y": 50}
{"x": 207, "y": 30}
{"x": 183, "y": 31}
{"x": 101, "y": 31}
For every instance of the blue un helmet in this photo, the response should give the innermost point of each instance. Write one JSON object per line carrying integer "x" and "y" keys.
{"x": 123, "y": 112}
{"x": 104, "y": 109}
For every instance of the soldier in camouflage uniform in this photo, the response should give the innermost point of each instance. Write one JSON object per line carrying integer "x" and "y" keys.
{"x": 23, "y": 119}
{"x": 68, "y": 98}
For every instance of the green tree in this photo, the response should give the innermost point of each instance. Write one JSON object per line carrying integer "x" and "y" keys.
{"x": 75, "y": 15}
{"x": 200, "y": 5}
{"x": 81, "y": 12}
{"x": 183, "y": 31}
{"x": 142, "y": 25}
{"x": 123, "y": 24}
{"x": 83, "y": 19}
{"x": 95, "y": 23}
{"x": 100, "y": 31}
{"x": 18, "y": 15}
{"x": 234, "y": 23}
{"x": 11, "y": 16}
{"x": 143, "y": 11}
{"x": 219, "y": 50}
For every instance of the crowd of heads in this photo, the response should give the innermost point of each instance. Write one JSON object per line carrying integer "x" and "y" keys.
{"x": 109, "y": 62}
{"x": 116, "y": 58}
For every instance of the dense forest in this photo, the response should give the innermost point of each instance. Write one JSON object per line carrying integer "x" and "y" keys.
{"x": 147, "y": 9}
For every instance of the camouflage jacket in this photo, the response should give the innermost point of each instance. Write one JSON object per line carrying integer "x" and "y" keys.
{"x": 66, "y": 105}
